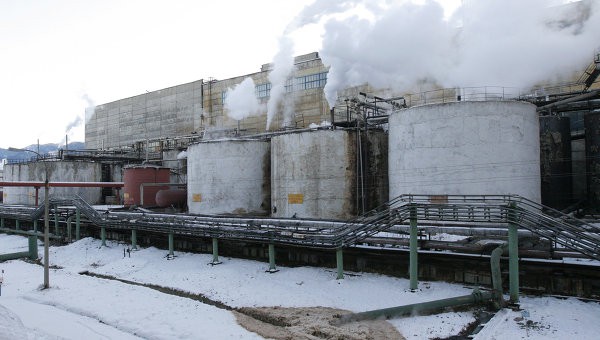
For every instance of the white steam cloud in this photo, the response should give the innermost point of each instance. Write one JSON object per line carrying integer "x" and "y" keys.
{"x": 241, "y": 101}
{"x": 511, "y": 43}
{"x": 283, "y": 66}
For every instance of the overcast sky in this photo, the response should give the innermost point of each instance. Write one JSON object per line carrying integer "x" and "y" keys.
{"x": 58, "y": 57}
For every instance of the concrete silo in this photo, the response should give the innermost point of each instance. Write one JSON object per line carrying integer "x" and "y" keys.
{"x": 229, "y": 177}
{"x": 464, "y": 148}
{"x": 324, "y": 174}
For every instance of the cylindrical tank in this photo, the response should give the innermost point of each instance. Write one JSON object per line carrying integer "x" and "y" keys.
{"x": 229, "y": 177}
{"x": 171, "y": 197}
{"x": 465, "y": 148}
{"x": 325, "y": 174}
{"x": 555, "y": 161}
{"x": 136, "y": 175}
{"x": 591, "y": 123}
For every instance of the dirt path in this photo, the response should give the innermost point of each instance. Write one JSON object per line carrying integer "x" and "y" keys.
{"x": 310, "y": 323}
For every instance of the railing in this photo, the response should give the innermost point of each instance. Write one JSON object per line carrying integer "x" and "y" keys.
{"x": 563, "y": 229}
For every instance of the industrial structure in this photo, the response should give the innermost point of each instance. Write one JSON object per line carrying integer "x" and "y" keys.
{"x": 487, "y": 163}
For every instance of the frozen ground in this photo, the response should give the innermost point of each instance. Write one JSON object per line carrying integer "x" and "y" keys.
{"x": 83, "y": 307}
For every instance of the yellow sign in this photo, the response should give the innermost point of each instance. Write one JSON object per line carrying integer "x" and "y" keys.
{"x": 295, "y": 198}
{"x": 126, "y": 196}
{"x": 196, "y": 197}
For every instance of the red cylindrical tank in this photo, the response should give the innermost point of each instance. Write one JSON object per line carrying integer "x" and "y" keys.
{"x": 171, "y": 197}
{"x": 134, "y": 176}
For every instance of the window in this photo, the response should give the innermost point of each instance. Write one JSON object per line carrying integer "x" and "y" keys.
{"x": 263, "y": 90}
{"x": 224, "y": 96}
{"x": 311, "y": 81}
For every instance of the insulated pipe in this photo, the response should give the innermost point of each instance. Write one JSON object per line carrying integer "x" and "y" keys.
{"x": 171, "y": 245}
{"x": 32, "y": 253}
{"x": 475, "y": 297}
{"x": 35, "y": 226}
{"x": 497, "y": 274}
{"x": 17, "y": 225}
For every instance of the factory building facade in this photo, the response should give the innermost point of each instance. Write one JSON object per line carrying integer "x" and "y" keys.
{"x": 197, "y": 108}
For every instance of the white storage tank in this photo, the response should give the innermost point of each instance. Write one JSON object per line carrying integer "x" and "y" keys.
{"x": 229, "y": 177}
{"x": 314, "y": 173}
{"x": 465, "y": 148}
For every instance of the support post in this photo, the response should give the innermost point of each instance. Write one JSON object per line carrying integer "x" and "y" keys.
{"x": 413, "y": 269}
{"x": 2, "y": 222}
{"x": 272, "y": 267}
{"x": 77, "y": 224}
{"x": 215, "y": 251}
{"x": 55, "y": 221}
{"x": 339, "y": 257}
{"x": 17, "y": 225}
{"x": 134, "y": 239}
{"x": 103, "y": 236}
{"x": 35, "y": 226}
{"x": 33, "y": 247}
{"x": 513, "y": 254}
{"x": 171, "y": 246}
{"x": 69, "y": 222}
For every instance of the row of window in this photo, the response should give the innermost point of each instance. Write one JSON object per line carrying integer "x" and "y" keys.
{"x": 311, "y": 81}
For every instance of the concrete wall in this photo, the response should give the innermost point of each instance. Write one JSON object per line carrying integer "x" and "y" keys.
{"x": 465, "y": 148}
{"x": 229, "y": 177}
{"x": 174, "y": 111}
{"x": 59, "y": 171}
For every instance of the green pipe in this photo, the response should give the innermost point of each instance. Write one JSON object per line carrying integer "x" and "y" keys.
{"x": 35, "y": 226}
{"x": 215, "y": 251}
{"x": 77, "y": 224}
{"x": 32, "y": 253}
{"x": 33, "y": 247}
{"x": 103, "y": 236}
{"x": 513, "y": 254}
{"x": 134, "y": 239}
{"x": 339, "y": 256}
{"x": 272, "y": 268}
{"x": 2, "y": 222}
{"x": 475, "y": 297}
{"x": 17, "y": 225}
{"x": 413, "y": 266}
{"x": 497, "y": 275}
{"x": 171, "y": 242}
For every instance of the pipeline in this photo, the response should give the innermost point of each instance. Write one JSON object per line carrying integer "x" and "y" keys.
{"x": 437, "y": 306}
{"x": 32, "y": 253}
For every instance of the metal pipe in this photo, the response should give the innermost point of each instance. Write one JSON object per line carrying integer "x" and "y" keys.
{"x": 272, "y": 268}
{"x": 134, "y": 239}
{"x": 475, "y": 297}
{"x": 513, "y": 254}
{"x": 77, "y": 223}
{"x": 171, "y": 245}
{"x": 62, "y": 184}
{"x": 142, "y": 185}
{"x": 497, "y": 275}
{"x": 103, "y": 236}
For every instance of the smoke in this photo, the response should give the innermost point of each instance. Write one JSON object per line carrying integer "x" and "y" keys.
{"x": 241, "y": 101}
{"x": 283, "y": 65}
{"x": 90, "y": 108}
{"x": 76, "y": 122}
{"x": 400, "y": 45}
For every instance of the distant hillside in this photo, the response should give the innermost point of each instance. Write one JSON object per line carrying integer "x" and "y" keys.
{"x": 43, "y": 149}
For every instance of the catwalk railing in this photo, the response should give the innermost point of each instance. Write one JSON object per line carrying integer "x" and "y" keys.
{"x": 572, "y": 233}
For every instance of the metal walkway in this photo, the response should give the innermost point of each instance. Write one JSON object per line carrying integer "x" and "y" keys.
{"x": 565, "y": 230}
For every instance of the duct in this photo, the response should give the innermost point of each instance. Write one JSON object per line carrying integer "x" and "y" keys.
{"x": 569, "y": 100}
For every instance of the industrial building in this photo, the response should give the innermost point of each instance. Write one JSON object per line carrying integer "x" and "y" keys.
{"x": 474, "y": 161}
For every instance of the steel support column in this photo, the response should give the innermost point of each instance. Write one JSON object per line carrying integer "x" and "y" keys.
{"x": 513, "y": 254}
{"x": 134, "y": 239}
{"x": 339, "y": 257}
{"x": 33, "y": 247}
{"x": 272, "y": 267}
{"x": 77, "y": 224}
{"x": 171, "y": 245}
{"x": 17, "y": 225}
{"x": 103, "y": 236}
{"x": 413, "y": 266}
{"x": 35, "y": 226}
{"x": 215, "y": 251}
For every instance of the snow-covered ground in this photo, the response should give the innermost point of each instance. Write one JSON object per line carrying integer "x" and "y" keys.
{"x": 83, "y": 307}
